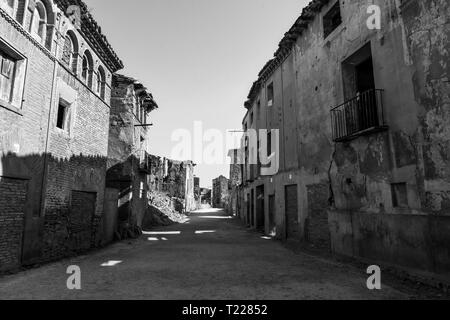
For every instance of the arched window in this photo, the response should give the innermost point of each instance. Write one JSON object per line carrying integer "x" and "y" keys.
{"x": 67, "y": 54}
{"x": 20, "y": 12}
{"x": 8, "y": 6}
{"x": 101, "y": 79}
{"x": 39, "y": 20}
{"x": 38, "y": 24}
{"x": 86, "y": 73}
{"x": 70, "y": 51}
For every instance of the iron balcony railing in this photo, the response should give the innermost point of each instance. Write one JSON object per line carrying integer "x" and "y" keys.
{"x": 361, "y": 114}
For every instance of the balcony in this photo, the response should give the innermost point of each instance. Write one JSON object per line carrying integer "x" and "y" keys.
{"x": 145, "y": 163}
{"x": 363, "y": 114}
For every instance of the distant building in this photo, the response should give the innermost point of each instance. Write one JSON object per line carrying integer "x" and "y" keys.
{"x": 197, "y": 192}
{"x": 206, "y": 196}
{"x": 235, "y": 181}
{"x": 220, "y": 193}
{"x": 179, "y": 182}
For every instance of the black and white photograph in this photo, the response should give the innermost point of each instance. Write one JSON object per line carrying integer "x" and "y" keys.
{"x": 224, "y": 157}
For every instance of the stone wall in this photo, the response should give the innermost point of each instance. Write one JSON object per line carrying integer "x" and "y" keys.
{"x": 12, "y": 210}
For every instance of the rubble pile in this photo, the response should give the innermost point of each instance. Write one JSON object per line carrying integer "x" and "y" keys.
{"x": 163, "y": 210}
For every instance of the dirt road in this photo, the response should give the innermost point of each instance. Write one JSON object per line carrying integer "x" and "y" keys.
{"x": 210, "y": 257}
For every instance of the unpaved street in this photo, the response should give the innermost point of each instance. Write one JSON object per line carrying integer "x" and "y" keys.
{"x": 210, "y": 257}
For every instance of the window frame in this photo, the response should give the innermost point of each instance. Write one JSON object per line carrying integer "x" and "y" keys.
{"x": 67, "y": 119}
{"x": 63, "y": 118}
{"x": 16, "y": 99}
{"x": 101, "y": 82}
{"x": 11, "y": 10}
{"x": 328, "y": 16}
{"x": 270, "y": 88}
{"x": 89, "y": 70}
{"x": 68, "y": 55}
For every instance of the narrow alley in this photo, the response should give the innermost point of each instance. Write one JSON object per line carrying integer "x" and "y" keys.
{"x": 212, "y": 256}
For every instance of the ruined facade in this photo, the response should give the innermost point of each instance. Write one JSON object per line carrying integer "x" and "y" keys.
{"x": 362, "y": 115}
{"x": 197, "y": 193}
{"x": 235, "y": 181}
{"x": 179, "y": 182}
{"x": 129, "y": 161}
{"x": 220, "y": 193}
{"x": 205, "y": 196}
{"x": 54, "y": 116}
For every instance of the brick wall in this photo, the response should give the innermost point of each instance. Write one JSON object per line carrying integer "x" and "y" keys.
{"x": 78, "y": 163}
{"x": 22, "y": 140}
{"x": 12, "y": 201}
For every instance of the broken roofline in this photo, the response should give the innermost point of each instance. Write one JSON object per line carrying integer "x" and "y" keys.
{"x": 285, "y": 46}
{"x": 92, "y": 32}
{"x": 140, "y": 89}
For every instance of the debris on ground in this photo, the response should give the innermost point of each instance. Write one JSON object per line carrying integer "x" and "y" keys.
{"x": 163, "y": 210}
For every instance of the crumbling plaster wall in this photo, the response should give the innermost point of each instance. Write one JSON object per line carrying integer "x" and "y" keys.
{"x": 359, "y": 170}
{"x": 410, "y": 56}
{"x": 427, "y": 29}
{"x": 126, "y": 140}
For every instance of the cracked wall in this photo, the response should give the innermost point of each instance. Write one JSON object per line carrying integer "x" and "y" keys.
{"x": 387, "y": 186}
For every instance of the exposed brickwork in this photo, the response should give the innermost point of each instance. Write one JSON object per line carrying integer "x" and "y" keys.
{"x": 23, "y": 136}
{"x": 12, "y": 202}
{"x": 86, "y": 174}
{"x": 55, "y": 163}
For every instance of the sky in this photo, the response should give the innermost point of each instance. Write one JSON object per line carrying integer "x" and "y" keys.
{"x": 199, "y": 59}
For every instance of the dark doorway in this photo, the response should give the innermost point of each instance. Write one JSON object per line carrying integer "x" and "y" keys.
{"x": 364, "y": 76}
{"x": 82, "y": 212}
{"x": 13, "y": 194}
{"x": 357, "y": 72}
{"x": 360, "y": 109}
{"x": 260, "y": 212}
{"x": 366, "y": 103}
{"x": 291, "y": 203}
{"x": 252, "y": 209}
{"x": 248, "y": 210}
{"x": 110, "y": 214}
{"x": 272, "y": 224}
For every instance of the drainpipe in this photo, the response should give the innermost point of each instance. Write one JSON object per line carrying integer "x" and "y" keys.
{"x": 49, "y": 122}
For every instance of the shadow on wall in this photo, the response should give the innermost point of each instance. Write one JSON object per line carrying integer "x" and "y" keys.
{"x": 50, "y": 207}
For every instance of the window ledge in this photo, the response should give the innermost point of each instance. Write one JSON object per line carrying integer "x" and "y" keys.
{"x": 364, "y": 132}
{"x": 10, "y": 107}
{"x": 335, "y": 33}
{"x": 63, "y": 133}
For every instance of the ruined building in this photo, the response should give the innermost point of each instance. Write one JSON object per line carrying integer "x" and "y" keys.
{"x": 205, "y": 196}
{"x": 220, "y": 193}
{"x": 179, "y": 182}
{"x": 197, "y": 194}
{"x": 129, "y": 161}
{"x": 55, "y": 87}
{"x": 235, "y": 181}
{"x": 364, "y": 133}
